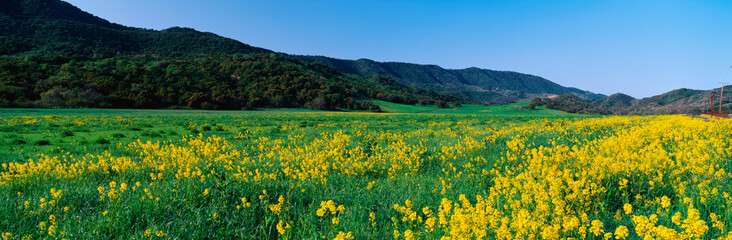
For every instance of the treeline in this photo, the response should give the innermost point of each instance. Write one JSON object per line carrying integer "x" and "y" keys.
{"x": 204, "y": 82}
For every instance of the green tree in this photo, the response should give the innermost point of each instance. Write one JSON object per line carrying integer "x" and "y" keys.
{"x": 441, "y": 104}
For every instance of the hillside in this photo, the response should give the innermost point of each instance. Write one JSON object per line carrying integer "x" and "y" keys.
{"x": 59, "y": 30}
{"x": 679, "y": 101}
{"x": 616, "y": 103}
{"x": 56, "y": 55}
{"x": 494, "y": 87}
{"x": 572, "y": 104}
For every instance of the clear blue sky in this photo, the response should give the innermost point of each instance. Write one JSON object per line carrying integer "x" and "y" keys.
{"x": 641, "y": 48}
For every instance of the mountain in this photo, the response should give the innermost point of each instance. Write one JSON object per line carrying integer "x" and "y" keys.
{"x": 52, "y": 54}
{"x": 569, "y": 102}
{"x": 616, "y": 102}
{"x": 494, "y": 87}
{"x": 52, "y": 28}
{"x": 679, "y": 101}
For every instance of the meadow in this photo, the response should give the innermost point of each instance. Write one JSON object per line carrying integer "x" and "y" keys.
{"x": 472, "y": 173}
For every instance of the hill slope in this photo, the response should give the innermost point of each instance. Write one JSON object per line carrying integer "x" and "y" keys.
{"x": 495, "y": 87}
{"x": 616, "y": 102}
{"x": 61, "y": 30}
{"x": 572, "y": 104}
{"x": 53, "y": 54}
{"x": 679, "y": 101}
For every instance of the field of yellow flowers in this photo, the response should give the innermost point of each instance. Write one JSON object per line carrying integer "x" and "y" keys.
{"x": 314, "y": 175}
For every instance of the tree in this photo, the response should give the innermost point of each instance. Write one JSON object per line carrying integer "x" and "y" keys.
{"x": 537, "y": 101}
{"x": 441, "y": 104}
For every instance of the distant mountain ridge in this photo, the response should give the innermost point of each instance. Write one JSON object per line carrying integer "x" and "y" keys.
{"x": 679, "y": 101}
{"x": 495, "y": 87}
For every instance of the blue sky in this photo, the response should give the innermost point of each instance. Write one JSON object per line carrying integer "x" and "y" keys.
{"x": 641, "y": 48}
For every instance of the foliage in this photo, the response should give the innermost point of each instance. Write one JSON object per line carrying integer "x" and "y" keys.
{"x": 55, "y": 55}
{"x": 211, "y": 82}
{"x": 495, "y": 87}
{"x": 573, "y": 104}
{"x": 535, "y": 103}
{"x": 58, "y": 32}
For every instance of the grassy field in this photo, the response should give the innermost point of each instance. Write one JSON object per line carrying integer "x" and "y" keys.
{"x": 502, "y": 110}
{"x": 288, "y": 174}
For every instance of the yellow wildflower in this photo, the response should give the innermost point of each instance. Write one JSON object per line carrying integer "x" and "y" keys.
{"x": 621, "y": 232}
{"x": 628, "y": 208}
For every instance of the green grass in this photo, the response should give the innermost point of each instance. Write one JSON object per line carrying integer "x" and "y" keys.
{"x": 181, "y": 212}
{"x": 198, "y": 165}
{"x": 387, "y": 107}
{"x": 502, "y": 110}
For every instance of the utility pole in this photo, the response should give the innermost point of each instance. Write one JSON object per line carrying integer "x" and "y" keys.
{"x": 721, "y": 93}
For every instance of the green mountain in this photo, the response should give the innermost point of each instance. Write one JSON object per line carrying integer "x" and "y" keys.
{"x": 52, "y": 28}
{"x": 495, "y": 87}
{"x": 569, "y": 102}
{"x": 616, "y": 102}
{"x": 679, "y": 101}
{"x": 53, "y": 54}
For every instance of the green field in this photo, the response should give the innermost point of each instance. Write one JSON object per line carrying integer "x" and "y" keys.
{"x": 502, "y": 110}
{"x": 473, "y": 172}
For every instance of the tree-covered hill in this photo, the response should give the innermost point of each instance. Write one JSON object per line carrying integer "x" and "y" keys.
{"x": 616, "y": 103}
{"x": 679, "y": 101}
{"x": 57, "y": 29}
{"x": 206, "y": 82}
{"x": 53, "y": 54}
{"x": 495, "y": 87}
{"x": 570, "y": 103}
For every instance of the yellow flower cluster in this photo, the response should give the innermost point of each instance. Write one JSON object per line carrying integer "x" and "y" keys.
{"x": 344, "y": 236}
{"x": 282, "y": 227}
{"x": 553, "y": 192}
{"x": 277, "y": 208}
{"x": 47, "y": 211}
{"x": 328, "y": 208}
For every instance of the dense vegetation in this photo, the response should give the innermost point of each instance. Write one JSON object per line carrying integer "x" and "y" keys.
{"x": 617, "y": 103}
{"x": 60, "y": 31}
{"x": 54, "y": 55}
{"x": 494, "y": 87}
{"x": 207, "y": 82}
{"x": 570, "y": 103}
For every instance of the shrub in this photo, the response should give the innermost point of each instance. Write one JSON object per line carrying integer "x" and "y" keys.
{"x": 150, "y": 134}
{"x": 67, "y": 133}
{"x": 101, "y": 140}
